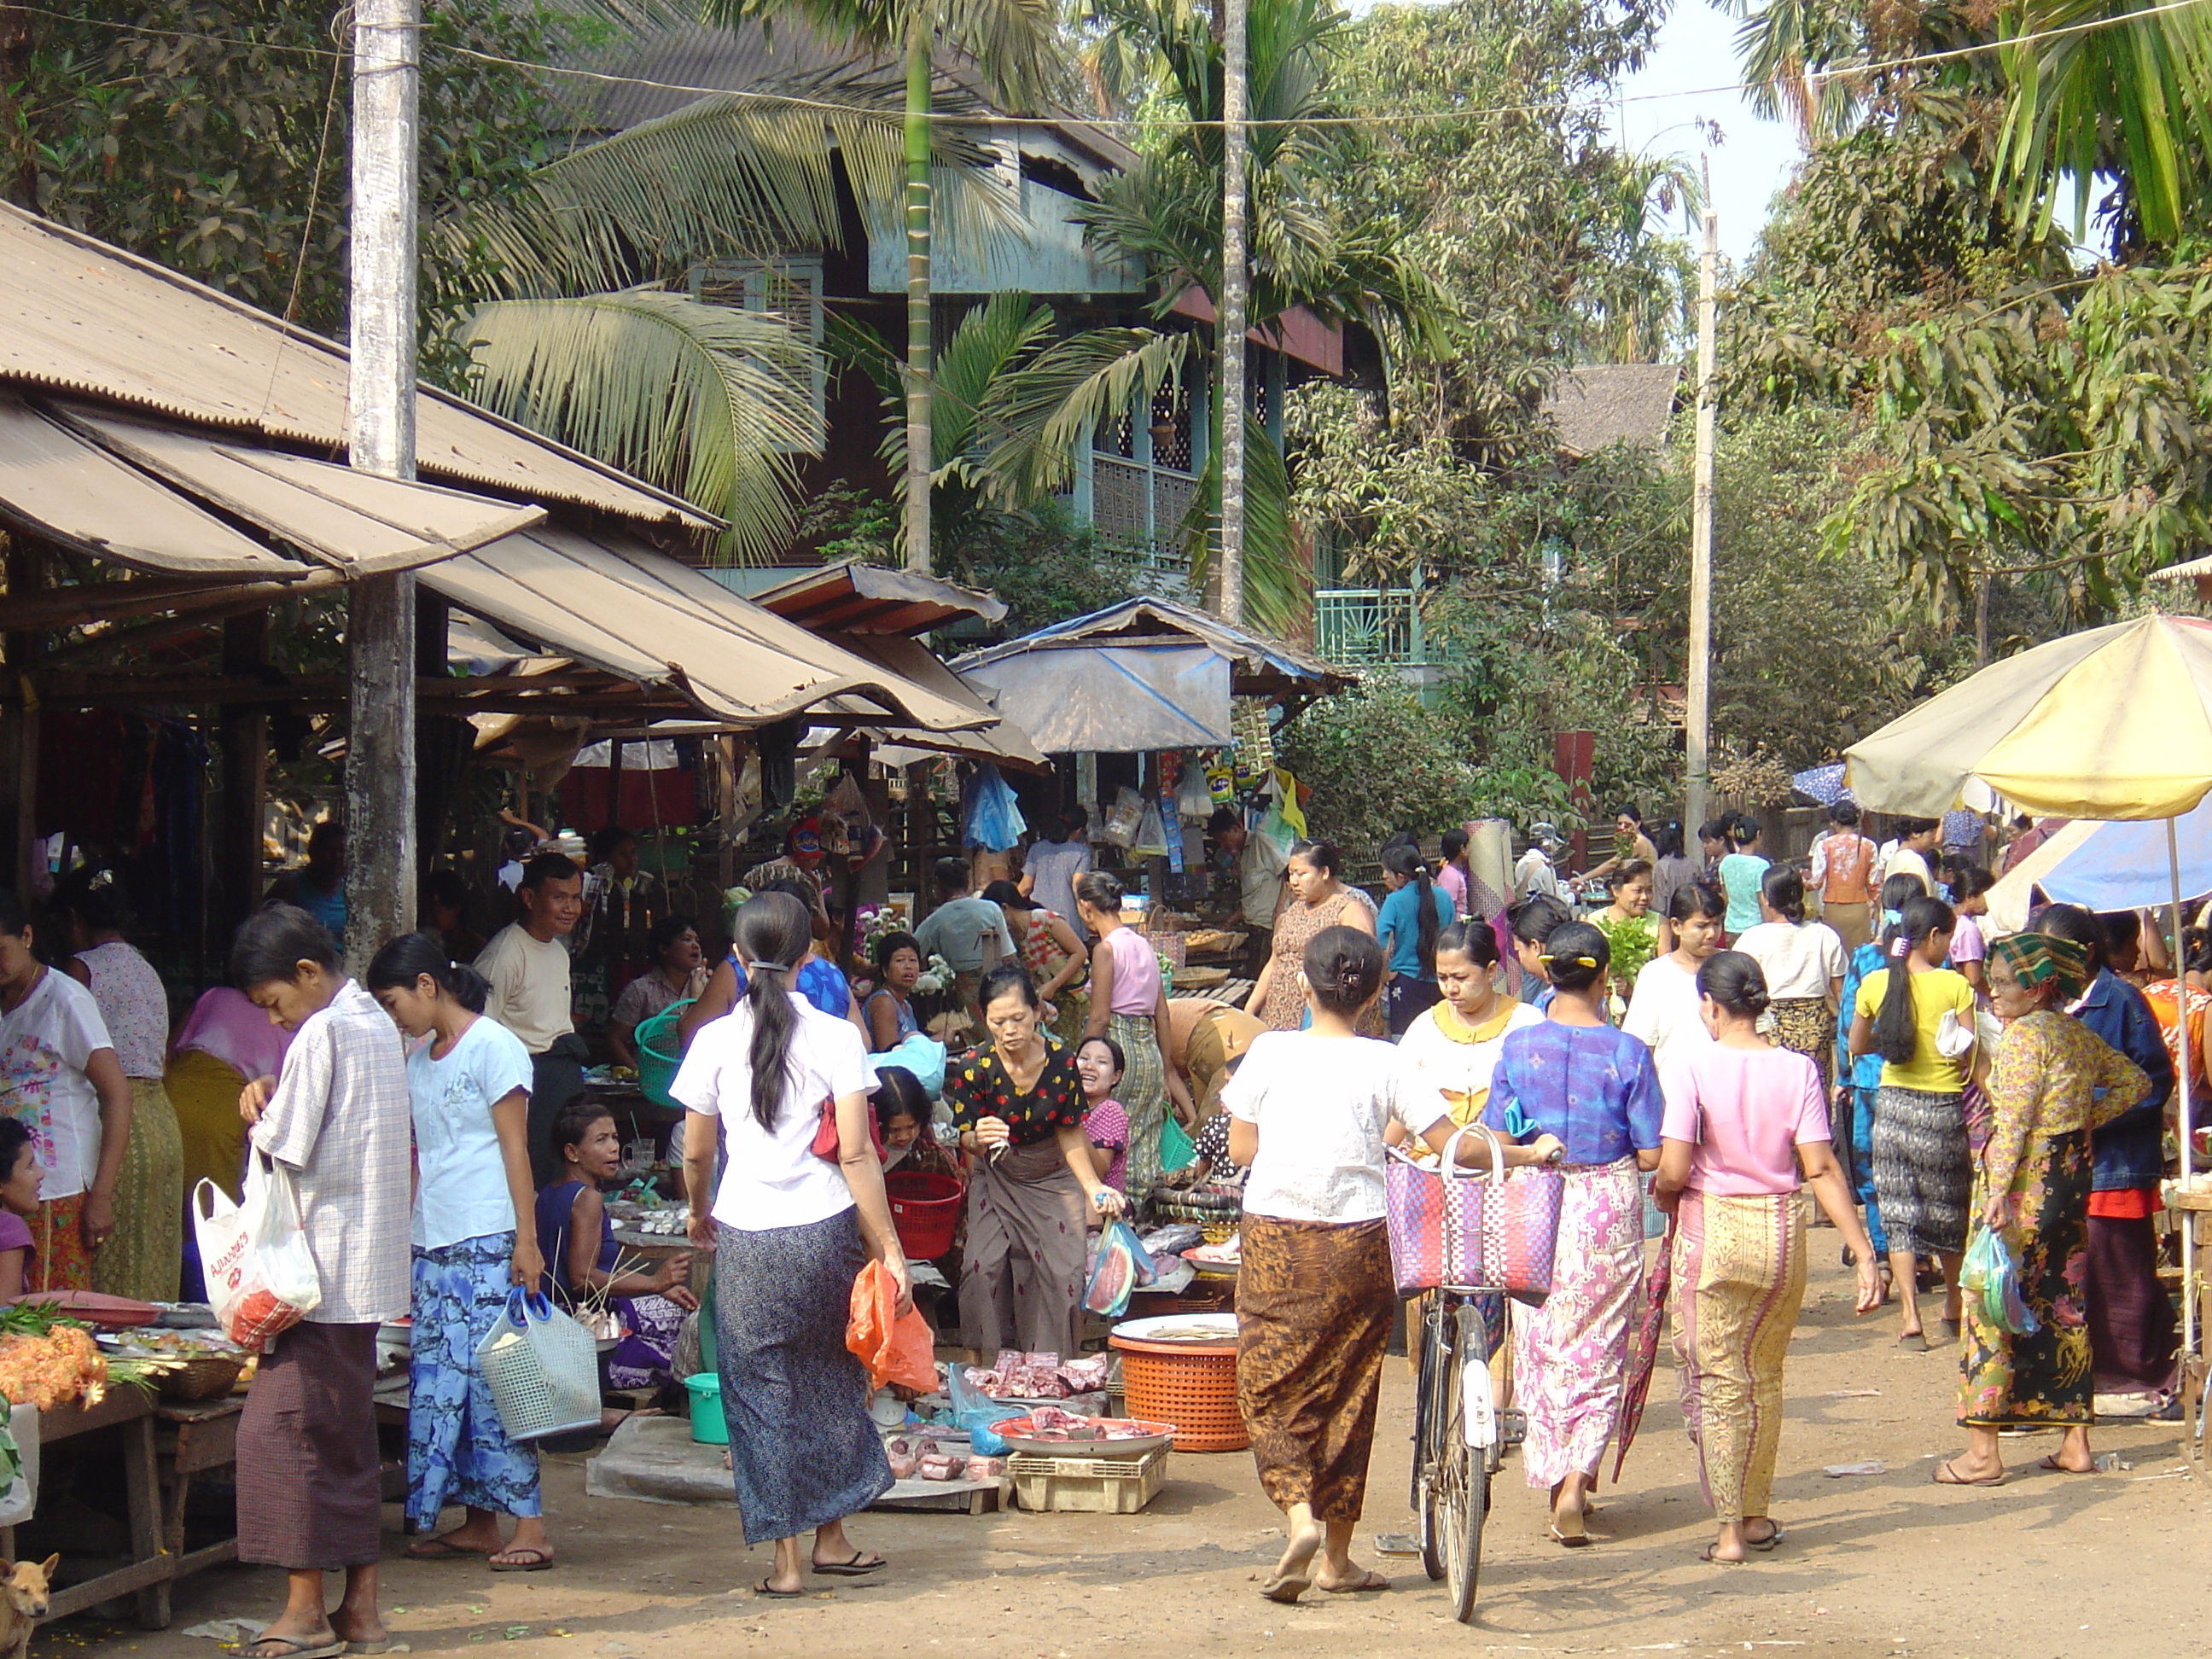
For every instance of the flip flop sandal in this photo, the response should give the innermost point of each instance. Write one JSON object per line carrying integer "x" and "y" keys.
{"x": 2052, "y": 1463}
{"x": 1949, "y": 1328}
{"x": 540, "y": 1561}
{"x": 1706, "y": 1554}
{"x": 773, "y": 1595}
{"x": 1369, "y": 1580}
{"x": 1285, "y": 1590}
{"x": 855, "y": 1568}
{"x": 1763, "y": 1545}
{"x": 1943, "y": 1470}
{"x": 437, "y": 1549}
{"x": 1569, "y": 1541}
{"x": 1913, "y": 1342}
{"x": 386, "y": 1644}
{"x": 291, "y": 1649}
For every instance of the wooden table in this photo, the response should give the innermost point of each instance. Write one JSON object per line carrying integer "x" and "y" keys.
{"x": 146, "y": 1574}
{"x": 2197, "y": 1204}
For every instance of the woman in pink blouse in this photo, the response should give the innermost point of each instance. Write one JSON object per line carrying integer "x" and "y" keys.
{"x": 1746, "y": 1129}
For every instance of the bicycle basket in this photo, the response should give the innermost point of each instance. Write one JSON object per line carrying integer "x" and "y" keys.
{"x": 543, "y": 1369}
{"x": 1413, "y": 1209}
{"x": 1499, "y": 1228}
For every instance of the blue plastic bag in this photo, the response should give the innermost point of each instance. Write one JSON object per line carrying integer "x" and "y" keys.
{"x": 1990, "y": 1273}
{"x": 991, "y": 817}
{"x": 1120, "y": 1266}
{"x": 975, "y": 1412}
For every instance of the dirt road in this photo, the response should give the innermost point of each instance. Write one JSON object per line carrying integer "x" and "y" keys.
{"x": 2048, "y": 1565}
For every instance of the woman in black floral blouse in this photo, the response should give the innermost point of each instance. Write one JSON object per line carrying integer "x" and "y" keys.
{"x": 1019, "y": 1107}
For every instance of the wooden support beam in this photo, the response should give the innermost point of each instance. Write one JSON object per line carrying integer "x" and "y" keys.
{"x": 83, "y": 603}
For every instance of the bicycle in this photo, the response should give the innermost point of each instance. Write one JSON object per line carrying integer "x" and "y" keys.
{"x": 1459, "y": 1437}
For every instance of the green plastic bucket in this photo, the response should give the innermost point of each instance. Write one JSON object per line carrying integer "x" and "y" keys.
{"x": 709, "y": 1427}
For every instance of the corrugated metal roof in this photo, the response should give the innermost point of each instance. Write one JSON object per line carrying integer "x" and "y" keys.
{"x": 1135, "y": 622}
{"x": 866, "y": 599}
{"x": 158, "y": 498}
{"x": 78, "y": 315}
{"x": 613, "y": 604}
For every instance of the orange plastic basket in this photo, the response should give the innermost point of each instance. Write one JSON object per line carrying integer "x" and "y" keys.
{"x": 1192, "y": 1385}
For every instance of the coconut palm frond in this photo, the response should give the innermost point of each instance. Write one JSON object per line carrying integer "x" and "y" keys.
{"x": 1038, "y": 416}
{"x": 1276, "y": 579}
{"x": 988, "y": 348}
{"x": 712, "y": 403}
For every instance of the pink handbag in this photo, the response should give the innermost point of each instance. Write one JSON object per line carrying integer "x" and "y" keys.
{"x": 1501, "y": 1228}
{"x": 1413, "y": 1210}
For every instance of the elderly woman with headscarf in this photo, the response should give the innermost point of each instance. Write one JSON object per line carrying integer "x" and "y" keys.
{"x": 2052, "y": 1083}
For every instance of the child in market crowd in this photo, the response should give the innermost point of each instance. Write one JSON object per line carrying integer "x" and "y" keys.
{"x": 1533, "y": 920}
{"x": 1099, "y": 1063}
{"x": 19, "y": 1207}
{"x": 1970, "y": 903}
{"x": 576, "y": 1236}
{"x": 468, "y": 1082}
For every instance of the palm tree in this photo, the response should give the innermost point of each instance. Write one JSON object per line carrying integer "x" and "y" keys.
{"x": 2081, "y": 92}
{"x": 1167, "y": 213}
{"x": 1011, "y": 42}
{"x": 578, "y": 335}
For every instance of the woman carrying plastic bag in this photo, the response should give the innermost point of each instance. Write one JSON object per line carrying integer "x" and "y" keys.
{"x": 2031, "y": 1185}
{"x": 468, "y": 1081}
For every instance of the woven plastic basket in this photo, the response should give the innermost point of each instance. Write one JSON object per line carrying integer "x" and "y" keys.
{"x": 542, "y": 1370}
{"x": 660, "y": 1054}
{"x": 1192, "y": 1385}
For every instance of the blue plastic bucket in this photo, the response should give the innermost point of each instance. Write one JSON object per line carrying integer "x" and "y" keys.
{"x": 709, "y": 1427}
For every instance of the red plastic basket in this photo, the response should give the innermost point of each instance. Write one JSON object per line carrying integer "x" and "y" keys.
{"x": 925, "y": 1211}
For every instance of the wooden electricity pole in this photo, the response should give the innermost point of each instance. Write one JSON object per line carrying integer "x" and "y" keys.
{"x": 381, "y": 773}
{"x": 1234, "y": 297}
{"x": 920, "y": 350}
{"x": 1698, "y": 719}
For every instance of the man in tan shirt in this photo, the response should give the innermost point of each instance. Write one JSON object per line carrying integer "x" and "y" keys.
{"x": 526, "y": 965}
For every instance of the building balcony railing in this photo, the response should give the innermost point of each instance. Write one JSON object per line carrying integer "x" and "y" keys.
{"x": 1368, "y": 627}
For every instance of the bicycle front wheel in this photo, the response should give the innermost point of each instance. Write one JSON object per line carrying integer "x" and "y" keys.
{"x": 1431, "y": 1412}
{"x": 1471, "y": 1467}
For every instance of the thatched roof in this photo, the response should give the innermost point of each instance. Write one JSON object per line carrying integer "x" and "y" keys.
{"x": 1606, "y": 403}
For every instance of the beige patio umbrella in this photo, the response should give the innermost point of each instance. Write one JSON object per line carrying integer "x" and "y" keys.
{"x": 2112, "y": 724}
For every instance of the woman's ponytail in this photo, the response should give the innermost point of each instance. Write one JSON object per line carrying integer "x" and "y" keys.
{"x": 422, "y": 956}
{"x": 1407, "y": 862}
{"x": 1896, "y": 1036}
{"x": 772, "y": 933}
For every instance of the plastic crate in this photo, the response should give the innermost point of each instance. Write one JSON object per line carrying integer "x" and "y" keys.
{"x": 1088, "y": 1485}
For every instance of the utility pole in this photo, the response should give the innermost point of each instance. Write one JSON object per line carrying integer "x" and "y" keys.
{"x": 920, "y": 365}
{"x": 381, "y": 835}
{"x": 1236, "y": 197}
{"x": 1699, "y": 714}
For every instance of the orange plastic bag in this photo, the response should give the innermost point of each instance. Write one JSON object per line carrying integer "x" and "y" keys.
{"x": 895, "y": 1349}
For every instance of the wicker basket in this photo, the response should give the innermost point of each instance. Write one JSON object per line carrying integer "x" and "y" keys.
{"x": 1192, "y": 1385}
{"x": 207, "y": 1376}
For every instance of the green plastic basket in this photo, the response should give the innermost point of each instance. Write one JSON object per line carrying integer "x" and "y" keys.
{"x": 659, "y": 1055}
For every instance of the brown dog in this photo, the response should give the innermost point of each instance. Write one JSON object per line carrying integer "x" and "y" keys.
{"x": 24, "y": 1604}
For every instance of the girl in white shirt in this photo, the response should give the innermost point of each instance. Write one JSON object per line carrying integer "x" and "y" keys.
{"x": 1662, "y": 1010}
{"x": 1804, "y": 963}
{"x": 1309, "y": 1114}
{"x": 790, "y": 1230}
{"x": 468, "y": 1088}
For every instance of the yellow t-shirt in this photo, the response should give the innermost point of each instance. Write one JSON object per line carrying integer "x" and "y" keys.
{"x": 1933, "y": 993}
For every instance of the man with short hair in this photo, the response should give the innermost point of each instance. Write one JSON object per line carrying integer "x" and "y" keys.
{"x": 1534, "y": 875}
{"x": 526, "y": 965}
{"x": 1843, "y": 875}
{"x": 968, "y": 931}
{"x": 1260, "y": 870}
{"x": 1916, "y": 840}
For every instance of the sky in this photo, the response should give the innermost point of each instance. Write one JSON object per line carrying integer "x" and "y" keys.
{"x": 1665, "y": 102}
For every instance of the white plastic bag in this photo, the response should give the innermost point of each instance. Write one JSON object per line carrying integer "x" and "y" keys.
{"x": 261, "y": 1277}
{"x": 19, "y": 1492}
{"x": 1123, "y": 818}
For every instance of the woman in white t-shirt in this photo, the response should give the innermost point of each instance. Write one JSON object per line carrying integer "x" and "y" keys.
{"x": 59, "y": 1074}
{"x": 1662, "y": 1010}
{"x": 468, "y": 1093}
{"x": 1309, "y": 1114}
{"x": 1804, "y": 963}
{"x": 790, "y": 1230}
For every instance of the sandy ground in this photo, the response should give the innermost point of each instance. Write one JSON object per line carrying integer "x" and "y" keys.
{"x": 1886, "y": 1564}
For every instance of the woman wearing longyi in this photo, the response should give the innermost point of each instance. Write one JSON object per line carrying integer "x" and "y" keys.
{"x": 1746, "y": 1133}
{"x": 1311, "y": 1111}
